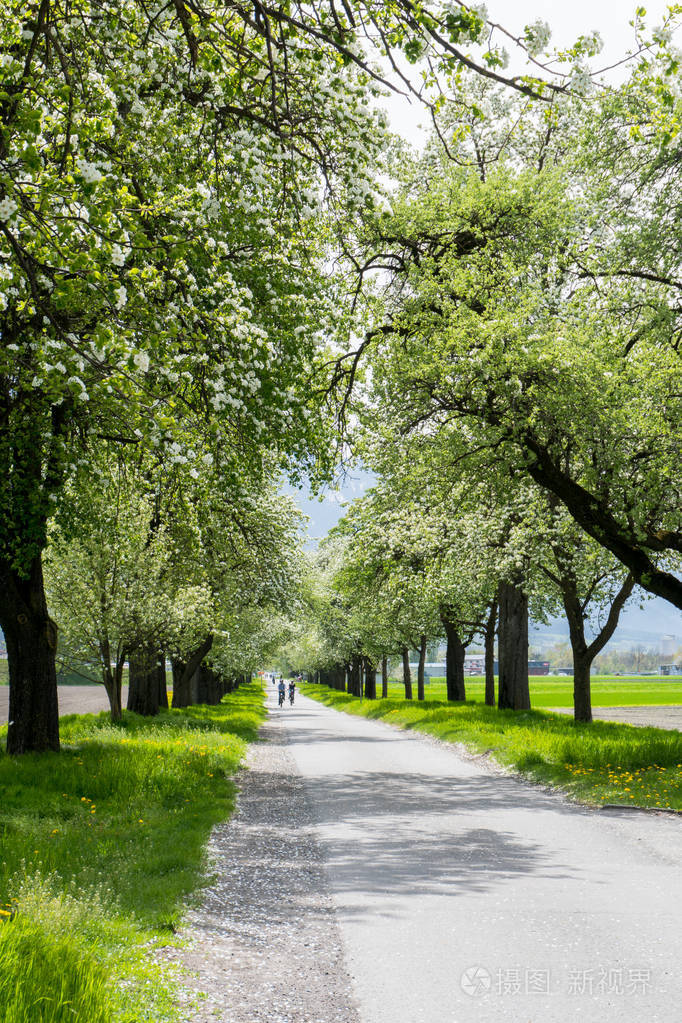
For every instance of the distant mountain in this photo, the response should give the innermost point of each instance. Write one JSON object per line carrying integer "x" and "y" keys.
{"x": 652, "y": 623}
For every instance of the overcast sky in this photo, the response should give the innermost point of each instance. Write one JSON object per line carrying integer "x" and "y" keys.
{"x": 567, "y": 21}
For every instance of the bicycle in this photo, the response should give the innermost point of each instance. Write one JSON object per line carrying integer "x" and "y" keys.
{"x": 281, "y": 699}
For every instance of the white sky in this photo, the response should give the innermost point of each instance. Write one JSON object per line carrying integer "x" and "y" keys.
{"x": 568, "y": 21}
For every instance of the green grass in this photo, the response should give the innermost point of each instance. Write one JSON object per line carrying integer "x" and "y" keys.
{"x": 602, "y": 762}
{"x": 607, "y": 691}
{"x": 101, "y": 847}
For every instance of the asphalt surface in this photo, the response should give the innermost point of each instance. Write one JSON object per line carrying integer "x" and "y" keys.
{"x": 466, "y": 895}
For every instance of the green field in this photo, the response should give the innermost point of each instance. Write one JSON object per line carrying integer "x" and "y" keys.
{"x": 101, "y": 847}
{"x": 607, "y": 691}
{"x": 597, "y": 763}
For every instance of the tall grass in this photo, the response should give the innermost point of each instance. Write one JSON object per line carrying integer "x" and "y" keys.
{"x": 602, "y": 762}
{"x": 101, "y": 846}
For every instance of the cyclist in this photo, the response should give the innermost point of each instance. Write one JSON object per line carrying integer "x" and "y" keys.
{"x": 292, "y": 691}
{"x": 281, "y": 691}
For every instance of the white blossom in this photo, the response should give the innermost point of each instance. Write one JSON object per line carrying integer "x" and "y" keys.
{"x": 537, "y": 36}
{"x": 8, "y": 208}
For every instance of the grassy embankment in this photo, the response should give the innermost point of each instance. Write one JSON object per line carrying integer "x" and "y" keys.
{"x": 598, "y": 763}
{"x": 101, "y": 845}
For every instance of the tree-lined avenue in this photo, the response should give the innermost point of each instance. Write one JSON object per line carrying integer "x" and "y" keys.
{"x": 440, "y": 866}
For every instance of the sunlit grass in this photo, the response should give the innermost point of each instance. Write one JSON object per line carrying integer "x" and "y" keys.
{"x": 101, "y": 847}
{"x": 602, "y": 762}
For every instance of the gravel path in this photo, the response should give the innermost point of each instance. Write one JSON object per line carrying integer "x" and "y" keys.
{"x": 265, "y": 945}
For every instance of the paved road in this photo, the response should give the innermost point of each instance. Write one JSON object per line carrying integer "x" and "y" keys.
{"x": 463, "y": 895}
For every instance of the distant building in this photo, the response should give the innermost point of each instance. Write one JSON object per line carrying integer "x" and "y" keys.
{"x": 474, "y": 664}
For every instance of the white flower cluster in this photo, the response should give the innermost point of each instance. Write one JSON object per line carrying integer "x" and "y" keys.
{"x": 662, "y": 35}
{"x": 537, "y": 36}
{"x": 8, "y": 208}
{"x": 581, "y": 81}
{"x": 90, "y": 171}
{"x": 141, "y": 360}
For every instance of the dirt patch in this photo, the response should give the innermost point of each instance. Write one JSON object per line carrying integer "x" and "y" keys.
{"x": 72, "y": 700}
{"x": 646, "y": 717}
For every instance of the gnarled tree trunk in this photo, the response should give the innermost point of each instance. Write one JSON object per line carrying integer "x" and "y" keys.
{"x": 420, "y": 667}
{"x": 370, "y": 680}
{"x": 454, "y": 661}
{"x": 584, "y": 653}
{"x": 514, "y": 691}
{"x": 163, "y": 686}
{"x": 384, "y": 677}
{"x": 407, "y": 674}
{"x": 184, "y": 671}
{"x": 490, "y": 629}
{"x": 31, "y": 639}
{"x": 144, "y": 668}
{"x": 355, "y": 675}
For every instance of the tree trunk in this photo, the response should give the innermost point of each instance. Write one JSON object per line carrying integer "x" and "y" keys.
{"x": 183, "y": 673}
{"x": 582, "y": 696}
{"x": 582, "y": 692}
{"x": 490, "y": 628}
{"x": 420, "y": 667}
{"x": 112, "y": 684}
{"x": 454, "y": 661}
{"x": 207, "y": 686}
{"x": 163, "y": 686}
{"x": 355, "y": 676}
{"x": 584, "y": 654}
{"x": 384, "y": 678}
{"x": 31, "y": 639}
{"x": 407, "y": 676}
{"x": 143, "y": 682}
{"x": 514, "y": 691}
{"x": 112, "y": 678}
{"x": 370, "y": 680}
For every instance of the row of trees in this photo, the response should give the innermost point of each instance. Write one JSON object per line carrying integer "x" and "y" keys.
{"x": 517, "y": 391}
{"x": 182, "y": 187}
{"x": 147, "y": 563}
{"x": 399, "y": 571}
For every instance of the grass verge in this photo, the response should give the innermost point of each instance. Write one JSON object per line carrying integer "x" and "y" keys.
{"x": 598, "y": 763}
{"x": 101, "y": 847}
